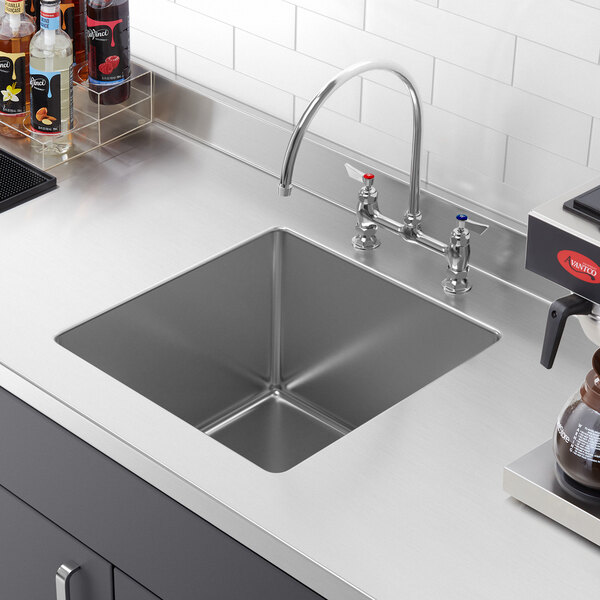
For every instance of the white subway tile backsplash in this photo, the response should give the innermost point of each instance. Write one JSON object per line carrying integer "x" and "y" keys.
{"x": 592, "y": 3}
{"x": 574, "y": 82}
{"x": 512, "y": 111}
{"x": 153, "y": 50}
{"x": 271, "y": 19}
{"x": 351, "y": 12}
{"x": 453, "y": 175}
{"x": 184, "y": 28}
{"x": 444, "y": 133}
{"x": 360, "y": 138}
{"x": 236, "y": 85}
{"x": 444, "y": 35}
{"x": 595, "y": 146}
{"x": 541, "y": 174}
{"x": 293, "y": 72}
{"x": 341, "y": 45}
{"x": 511, "y": 88}
{"x": 560, "y": 24}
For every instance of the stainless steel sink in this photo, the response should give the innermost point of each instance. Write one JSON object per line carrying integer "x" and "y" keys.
{"x": 277, "y": 348}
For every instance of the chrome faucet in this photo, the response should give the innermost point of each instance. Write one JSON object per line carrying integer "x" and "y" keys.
{"x": 368, "y": 215}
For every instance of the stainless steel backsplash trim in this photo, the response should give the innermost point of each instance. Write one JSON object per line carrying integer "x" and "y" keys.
{"x": 260, "y": 140}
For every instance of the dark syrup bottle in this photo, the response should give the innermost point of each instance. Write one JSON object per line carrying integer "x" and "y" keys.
{"x": 108, "y": 50}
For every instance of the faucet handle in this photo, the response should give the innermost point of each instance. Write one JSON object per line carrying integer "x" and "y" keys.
{"x": 366, "y": 178}
{"x": 478, "y": 228}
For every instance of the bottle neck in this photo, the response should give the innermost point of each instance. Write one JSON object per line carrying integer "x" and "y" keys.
{"x": 12, "y": 7}
{"x": 49, "y": 17}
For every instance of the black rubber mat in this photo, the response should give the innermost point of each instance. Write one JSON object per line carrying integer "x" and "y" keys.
{"x": 20, "y": 181}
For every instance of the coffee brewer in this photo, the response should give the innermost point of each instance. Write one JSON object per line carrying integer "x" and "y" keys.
{"x": 563, "y": 245}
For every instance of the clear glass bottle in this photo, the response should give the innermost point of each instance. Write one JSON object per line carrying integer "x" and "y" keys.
{"x": 16, "y": 31}
{"x": 51, "y": 66}
{"x": 73, "y": 22}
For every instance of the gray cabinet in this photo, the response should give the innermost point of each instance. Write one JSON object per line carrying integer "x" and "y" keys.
{"x": 31, "y": 551}
{"x": 127, "y": 589}
{"x": 154, "y": 540}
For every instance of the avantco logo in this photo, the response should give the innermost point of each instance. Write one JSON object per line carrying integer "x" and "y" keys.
{"x": 579, "y": 266}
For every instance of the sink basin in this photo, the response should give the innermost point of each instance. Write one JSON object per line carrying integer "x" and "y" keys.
{"x": 277, "y": 348}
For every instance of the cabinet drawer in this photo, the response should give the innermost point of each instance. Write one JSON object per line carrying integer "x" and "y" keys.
{"x": 31, "y": 551}
{"x": 127, "y": 589}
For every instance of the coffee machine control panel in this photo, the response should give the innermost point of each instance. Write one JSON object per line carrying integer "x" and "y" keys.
{"x": 563, "y": 241}
{"x": 563, "y": 245}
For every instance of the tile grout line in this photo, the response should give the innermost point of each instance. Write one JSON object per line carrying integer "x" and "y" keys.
{"x": 514, "y": 65}
{"x": 360, "y": 101}
{"x": 364, "y": 27}
{"x": 589, "y": 153}
{"x": 503, "y": 180}
{"x": 433, "y": 81}
{"x": 295, "y": 28}
{"x": 233, "y": 56}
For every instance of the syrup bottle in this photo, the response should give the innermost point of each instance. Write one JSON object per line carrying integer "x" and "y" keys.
{"x": 108, "y": 50}
{"x": 16, "y": 31}
{"x": 52, "y": 81}
{"x": 73, "y": 22}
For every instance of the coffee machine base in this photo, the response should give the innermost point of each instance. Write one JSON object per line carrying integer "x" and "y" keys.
{"x": 532, "y": 479}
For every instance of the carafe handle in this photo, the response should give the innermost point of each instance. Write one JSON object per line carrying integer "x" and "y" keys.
{"x": 560, "y": 311}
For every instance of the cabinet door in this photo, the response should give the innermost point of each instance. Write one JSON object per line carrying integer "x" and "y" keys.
{"x": 31, "y": 551}
{"x": 127, "y": 589}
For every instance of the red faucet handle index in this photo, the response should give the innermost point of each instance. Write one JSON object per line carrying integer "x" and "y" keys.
{"x": 368, "y": 179}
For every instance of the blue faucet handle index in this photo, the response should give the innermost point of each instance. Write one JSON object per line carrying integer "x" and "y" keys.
{"x": 461, "y": 217}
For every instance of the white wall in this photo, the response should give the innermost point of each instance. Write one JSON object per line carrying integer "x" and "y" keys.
{"x": 511, "y": 87}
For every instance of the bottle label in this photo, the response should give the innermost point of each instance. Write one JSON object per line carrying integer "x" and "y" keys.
{"x": 14, "y": 8}
{"x": 67, "y": 10}
{"x": 68, "y": 18}
{"x": 12, "y": 83}
{"x": 108, "y": 55}
{"x": 30, "y": 7}
{"x": 49, "y": 20}
{"x": 45, "y": 101}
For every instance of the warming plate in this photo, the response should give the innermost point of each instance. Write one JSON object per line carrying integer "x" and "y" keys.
{"x": 531, "y": 480}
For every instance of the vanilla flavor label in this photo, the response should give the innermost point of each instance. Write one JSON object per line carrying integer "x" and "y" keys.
{"x": 12, "y": 83}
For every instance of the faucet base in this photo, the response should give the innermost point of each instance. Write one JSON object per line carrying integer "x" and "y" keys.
{"x": 365, "y": 240}
{"x": 456, "y": 283}
{"x": 412, "y": 221}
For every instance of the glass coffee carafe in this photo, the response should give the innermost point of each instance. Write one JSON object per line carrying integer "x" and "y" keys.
{"x": 577, "y": 437}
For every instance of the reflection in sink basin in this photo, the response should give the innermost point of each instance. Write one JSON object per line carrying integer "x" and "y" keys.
{"x": 277, "y": 348}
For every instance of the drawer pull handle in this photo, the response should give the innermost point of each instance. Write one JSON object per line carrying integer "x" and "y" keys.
{"x": 63, "y": 578}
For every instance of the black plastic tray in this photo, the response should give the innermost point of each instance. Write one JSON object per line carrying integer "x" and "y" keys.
{"x": 20, "y": 181}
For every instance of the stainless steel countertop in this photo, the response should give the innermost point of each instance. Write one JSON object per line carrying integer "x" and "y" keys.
{"x": 410, "y": 505}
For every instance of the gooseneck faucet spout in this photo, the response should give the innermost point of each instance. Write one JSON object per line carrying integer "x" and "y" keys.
{"x": 413, "y": 215}
{"x": 369, "y": 217}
